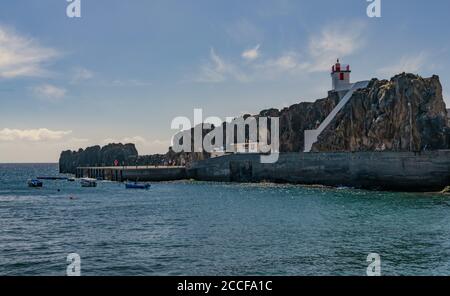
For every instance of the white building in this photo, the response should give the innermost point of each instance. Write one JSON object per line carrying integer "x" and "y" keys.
{"x": 248, "y": 147}
{"x": 340, "y": 76}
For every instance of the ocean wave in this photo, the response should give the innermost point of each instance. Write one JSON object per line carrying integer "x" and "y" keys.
{"x": 10, "y": 198}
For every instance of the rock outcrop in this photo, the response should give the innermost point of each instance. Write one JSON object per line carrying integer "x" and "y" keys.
{"x": 406, "y": 113}
{"x": 297, "y": 118}
{"x": 97, "y": 156}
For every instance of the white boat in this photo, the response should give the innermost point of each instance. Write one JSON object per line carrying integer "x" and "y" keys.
{"x": 88, "y": 182}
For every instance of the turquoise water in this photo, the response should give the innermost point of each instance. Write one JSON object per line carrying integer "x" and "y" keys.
{"x": 197, "y": 228}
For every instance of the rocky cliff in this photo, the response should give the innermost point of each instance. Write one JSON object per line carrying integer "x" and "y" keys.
{"x": 406, "y": 113}
{"x": 97, "y": 156}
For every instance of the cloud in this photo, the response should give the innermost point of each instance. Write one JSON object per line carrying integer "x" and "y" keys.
{"x": 289, "y": 61}
{"x": 218, "y": 70}
{"x": 21, "y": 56}
{"x": 129, "y": 82}
{"x": 81, "y": 74}
{"x": 34, "y": 135}
{"x": 50, "y": 93}
{"x": 334, "y": 41}
{"x": 78, "y": 140}
{"x": 251, "y": 54}
{"x": 408, "y": 63}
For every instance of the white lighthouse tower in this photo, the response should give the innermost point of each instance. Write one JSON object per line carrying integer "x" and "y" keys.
{"x": 340, "y": 76}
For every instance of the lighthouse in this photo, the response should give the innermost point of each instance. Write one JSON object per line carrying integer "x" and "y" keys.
{"x": 340, "y": 76}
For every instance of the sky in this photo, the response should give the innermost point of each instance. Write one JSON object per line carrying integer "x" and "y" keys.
{"x": 125, "y": 69}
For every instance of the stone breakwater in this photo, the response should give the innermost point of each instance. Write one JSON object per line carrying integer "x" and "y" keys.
{"x": 398, "y": 171}
{"x": 405, "y": 113}
{"x": 391, "y": 135}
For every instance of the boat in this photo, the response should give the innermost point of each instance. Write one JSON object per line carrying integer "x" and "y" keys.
{"x": 88, "y": 182}
{"x": 52, "y": 178}
{"x": 71, "y": 179}
{"x": 35, "y": 183}
{"x": 136, "y": 185}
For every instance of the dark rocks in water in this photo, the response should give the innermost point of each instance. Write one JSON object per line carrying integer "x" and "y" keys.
{"x": 407, "y": 113}
{"x": 126, "y": 154}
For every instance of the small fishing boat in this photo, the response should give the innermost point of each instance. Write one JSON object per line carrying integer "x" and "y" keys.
{"x": 88, "y": 182}
{"x": 136, "y": 185}
{"x": 71, "y": 179}
{"x": 52, "y": 178}
{"x": 35, "y": 183}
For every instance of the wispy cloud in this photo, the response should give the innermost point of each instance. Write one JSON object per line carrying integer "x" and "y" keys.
{"x": 129, "y": 82}
{"x": 50, "y": 93}
{"x": 81, "y": 74}
{"x": 251, "y": 54}
{"x": 334, "y": 41}
{"x": 407, "y": 63}
{"x": 35, "y": 135}
{"x": 218, "y": 70}
{"x": 286, "y": 62}
{"x": 22, "y": 56}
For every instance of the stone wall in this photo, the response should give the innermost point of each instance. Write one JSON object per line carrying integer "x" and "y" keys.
{"x": 403, "y": 171}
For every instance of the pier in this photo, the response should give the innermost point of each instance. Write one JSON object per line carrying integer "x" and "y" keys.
{"x": 133, "y": 173}
{"x": 425, "y": 171}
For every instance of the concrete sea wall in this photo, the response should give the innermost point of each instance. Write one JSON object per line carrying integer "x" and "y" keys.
{"x": 144, "y": 174}
{"x": 404, "y": 171}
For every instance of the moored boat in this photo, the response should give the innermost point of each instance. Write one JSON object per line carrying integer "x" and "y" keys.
{"x": 52, "y": 178}
{"x": 35, "y": 183}
{"x": 136, "y": 185}
{"x": 88, "y": 182}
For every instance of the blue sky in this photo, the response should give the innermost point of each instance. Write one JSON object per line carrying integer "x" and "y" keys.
{"x": 125, "y": 69}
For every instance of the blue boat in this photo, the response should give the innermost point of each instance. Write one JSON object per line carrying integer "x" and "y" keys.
{"x": 35, "y": 183}
{"x": 52, "y": 178}
{"x": 136, "y": 185}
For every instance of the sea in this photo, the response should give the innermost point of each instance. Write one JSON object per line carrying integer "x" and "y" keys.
{"x": 201, "y": 228}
